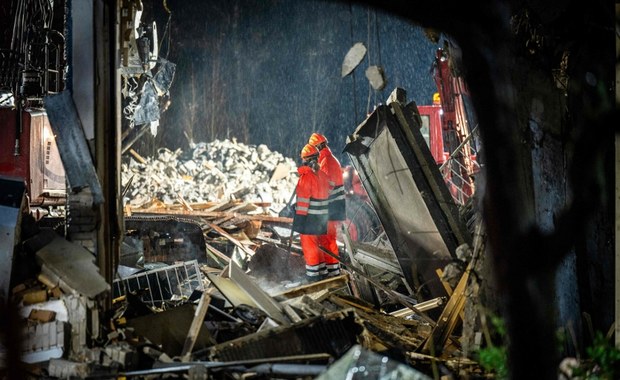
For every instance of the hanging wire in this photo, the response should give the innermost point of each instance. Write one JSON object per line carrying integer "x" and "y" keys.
{"x": 369, "y": 51}
{"x": 353, "y": 74}
{"x": 374, "y": 52}
{"x": 166, "y": 36}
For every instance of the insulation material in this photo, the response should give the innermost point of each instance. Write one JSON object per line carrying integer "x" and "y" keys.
{"x": 147, "y": 109}
{"x": 45, "y": 341}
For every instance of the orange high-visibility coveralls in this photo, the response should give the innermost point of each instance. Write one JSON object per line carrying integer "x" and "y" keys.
{"x": 310, "y": 219}
{"x": 337, "y": 210}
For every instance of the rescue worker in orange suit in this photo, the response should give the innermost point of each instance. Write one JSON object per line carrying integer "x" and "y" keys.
{"x": 337, "y": 210}
{"x": 311, "y": 212}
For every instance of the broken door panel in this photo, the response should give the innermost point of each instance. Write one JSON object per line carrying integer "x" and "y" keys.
{"x": 408, "y": 193}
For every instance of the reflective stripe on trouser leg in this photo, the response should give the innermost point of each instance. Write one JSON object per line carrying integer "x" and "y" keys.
{"x": 333, "y": 270}
{"x": 322, "y": 269}
{"x": 312, "y": 271}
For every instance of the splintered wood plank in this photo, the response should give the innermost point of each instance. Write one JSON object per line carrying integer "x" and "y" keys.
{"x": 194, "y": 329}
{"x": 186, "y": 206}
{"x": 449, "y": 317}
{"x": 160, "y": 208}
{"x": 243, "y": 207}
{"x": 221, "y": 206}
{"x": 236, "y": 242}
{"x": 330, "y": 283}
{"x": 211, "y": 249}
{"x": 446, "y": 286}
{"x": 138, "y": 157}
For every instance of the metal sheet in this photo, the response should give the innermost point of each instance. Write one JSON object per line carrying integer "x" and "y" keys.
{"x": 332, "y": 334}
{"x": 262, "y": 299}
{"x": 406, "y": 191}
{"x": 72, "y": 145}
{"x": 231, "y": 291}
{"x": 11, "y": 201}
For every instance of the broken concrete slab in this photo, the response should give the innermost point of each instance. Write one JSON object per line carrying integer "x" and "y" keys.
{"x": 73, "y": 267}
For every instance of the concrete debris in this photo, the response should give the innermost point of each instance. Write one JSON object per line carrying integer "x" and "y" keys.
{"x": 66, "y": 369}
{"x": 72, "y": 267}
{"x": 215, "y": 171}
{"x": 208, "y": 285}
{"x": 45, "y": 341}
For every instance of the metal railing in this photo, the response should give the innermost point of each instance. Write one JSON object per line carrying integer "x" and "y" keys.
{"x": 460, "y": 168}
{"x": 169, "y": 284}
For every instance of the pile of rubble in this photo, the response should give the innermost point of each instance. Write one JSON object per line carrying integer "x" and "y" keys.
{"x": 237, "y": 310}
{"x": 208, "y": 283}
{"x": 215, "y": 171}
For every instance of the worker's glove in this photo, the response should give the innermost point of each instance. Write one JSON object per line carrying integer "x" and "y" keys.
{"x": 287, "y": 212}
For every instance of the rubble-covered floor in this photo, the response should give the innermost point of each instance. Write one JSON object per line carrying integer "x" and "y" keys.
{"x": 211, "y": 290}
{"x": 221, "y": 300}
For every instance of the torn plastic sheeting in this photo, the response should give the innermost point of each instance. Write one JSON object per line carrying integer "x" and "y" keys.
{"x": 147, "y": 109}
{"x": 164, "y": 76}
{"x": 360, "y": 363}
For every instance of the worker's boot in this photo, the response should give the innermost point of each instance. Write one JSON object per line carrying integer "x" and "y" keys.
{"x": 310, "y": 279}
{"x": 333, "y": 270}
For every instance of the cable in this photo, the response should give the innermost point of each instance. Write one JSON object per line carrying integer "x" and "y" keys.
{"x": 368, "y": 58}
{"x": 166, "y": 33}
{"x": 353, "y": 74}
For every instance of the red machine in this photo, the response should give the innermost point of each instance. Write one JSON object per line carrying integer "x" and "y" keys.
{"x": 447, "y": 129}
{"x": 454, "y": 133}
{"x": 28, "y": 151}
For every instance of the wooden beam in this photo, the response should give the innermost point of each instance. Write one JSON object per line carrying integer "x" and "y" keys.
{"x": 194, "y": 329}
